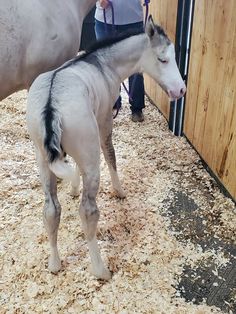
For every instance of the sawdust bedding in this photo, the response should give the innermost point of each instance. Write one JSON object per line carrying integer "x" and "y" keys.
{"x": 135, "y": 236}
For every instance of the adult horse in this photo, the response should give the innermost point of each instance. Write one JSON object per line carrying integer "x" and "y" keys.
{"x": 37, "y": 36}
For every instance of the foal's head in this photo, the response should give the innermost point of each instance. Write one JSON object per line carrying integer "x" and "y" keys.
{"x": 159, "y": 61}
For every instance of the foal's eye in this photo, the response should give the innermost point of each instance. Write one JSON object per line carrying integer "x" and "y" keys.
{"x": 162, "y": 60}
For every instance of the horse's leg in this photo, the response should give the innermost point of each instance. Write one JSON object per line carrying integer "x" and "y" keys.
{"x": 75, "y": 183}
{"x": 52, "y": 211}
{"x": 110, "y": 157}
{"x": 89, "y": 214}
{"x": 88, "y": 159}
{"x": 82, "y": 143}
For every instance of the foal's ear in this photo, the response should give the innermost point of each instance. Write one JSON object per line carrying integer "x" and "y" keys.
{"x": 150, "y": 27}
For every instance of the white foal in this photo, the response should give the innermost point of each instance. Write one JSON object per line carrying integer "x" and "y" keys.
{"x": 70, "y": 111}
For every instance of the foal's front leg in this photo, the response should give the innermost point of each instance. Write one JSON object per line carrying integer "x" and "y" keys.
{"x": 110, "y": 157}
{"x": 75, "y": 183}
{"x": 52, "y": 211}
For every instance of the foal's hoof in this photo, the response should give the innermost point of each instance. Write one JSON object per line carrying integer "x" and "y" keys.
{"x": 120, "y": 194}
{"x": 105, "y": 274}
{"x": 54, "y": 265}
{"x": 74, "y": 191}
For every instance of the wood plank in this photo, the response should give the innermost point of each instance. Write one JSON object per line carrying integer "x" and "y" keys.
{"x": 219, "y": 36}
{"x": 210, "y": 117}
{"x": 195, "y": 69}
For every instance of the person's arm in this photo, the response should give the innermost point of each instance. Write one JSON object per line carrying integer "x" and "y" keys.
{"x": 104, "y": 3}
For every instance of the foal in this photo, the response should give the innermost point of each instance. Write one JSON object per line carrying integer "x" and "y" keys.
{"x": 70, "y": 111}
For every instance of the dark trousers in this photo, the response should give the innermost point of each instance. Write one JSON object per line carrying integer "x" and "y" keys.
{"x": 136, "y": 82}
{"x": 88, "y": 37}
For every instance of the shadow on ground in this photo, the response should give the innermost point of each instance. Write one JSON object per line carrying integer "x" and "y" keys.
{"x": 205, "y": 281}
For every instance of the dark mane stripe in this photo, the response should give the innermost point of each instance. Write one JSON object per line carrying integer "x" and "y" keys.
{"x": 49, "y": 112}
{"x": 101, "y": 44}
{"x": 104, "y": 43}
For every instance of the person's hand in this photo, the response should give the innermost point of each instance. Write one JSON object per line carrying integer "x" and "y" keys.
{"x": 104, "y": 3}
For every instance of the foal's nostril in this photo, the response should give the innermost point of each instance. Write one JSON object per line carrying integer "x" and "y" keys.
{"x": 182, "y": 91}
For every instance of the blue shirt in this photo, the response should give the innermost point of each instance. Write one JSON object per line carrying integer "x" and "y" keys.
{"x": 125, "y": 12}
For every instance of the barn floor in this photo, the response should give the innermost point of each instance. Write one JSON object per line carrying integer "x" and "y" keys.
{"x": 170, "y": 243}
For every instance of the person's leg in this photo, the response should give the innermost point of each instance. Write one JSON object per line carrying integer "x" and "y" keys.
{"x": 136, "y": 81}
{"x": 103, "y": 31}
{"x": 88, "y": 37}
{"x": 136, "y": 88}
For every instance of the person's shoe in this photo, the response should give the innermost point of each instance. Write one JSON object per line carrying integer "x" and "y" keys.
{"x": 137, "y": 116}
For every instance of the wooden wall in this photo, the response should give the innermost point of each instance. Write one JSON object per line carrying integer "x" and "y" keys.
{"x": 164, "y": 13}
{"x": 210, "y": 117}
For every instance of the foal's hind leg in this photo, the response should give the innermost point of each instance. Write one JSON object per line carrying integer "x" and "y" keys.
{"x": 89, "y": 214}
{"x": 89, "y": 165}
{"x": 52, "y": 211}
{"x": 110, "y": 157}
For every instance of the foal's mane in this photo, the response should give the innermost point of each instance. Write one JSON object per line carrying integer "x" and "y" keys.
{"x": 110, "y": 41}
{"x": 100, "y": 44}
{"x": 106, "y": 43}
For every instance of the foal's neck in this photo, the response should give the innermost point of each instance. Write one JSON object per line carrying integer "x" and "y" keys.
{"x": 125, "y": 56}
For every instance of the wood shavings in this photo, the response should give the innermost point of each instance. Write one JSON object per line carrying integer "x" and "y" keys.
{"x": 135, "y": 238}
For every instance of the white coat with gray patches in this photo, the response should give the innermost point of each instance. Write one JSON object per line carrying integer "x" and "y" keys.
{"x": 70, "y": 111}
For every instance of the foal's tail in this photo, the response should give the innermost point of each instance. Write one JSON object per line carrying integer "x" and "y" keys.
{"x": 52, "y": 131}
{"x": 52, "y": 143}
{"x": 64, "y": 171}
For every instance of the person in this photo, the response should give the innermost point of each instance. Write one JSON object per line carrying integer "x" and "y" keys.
{"x": 123, "y": 16}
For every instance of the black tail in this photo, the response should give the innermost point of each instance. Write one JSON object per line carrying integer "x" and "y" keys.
{"x": 52, "y": 123}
